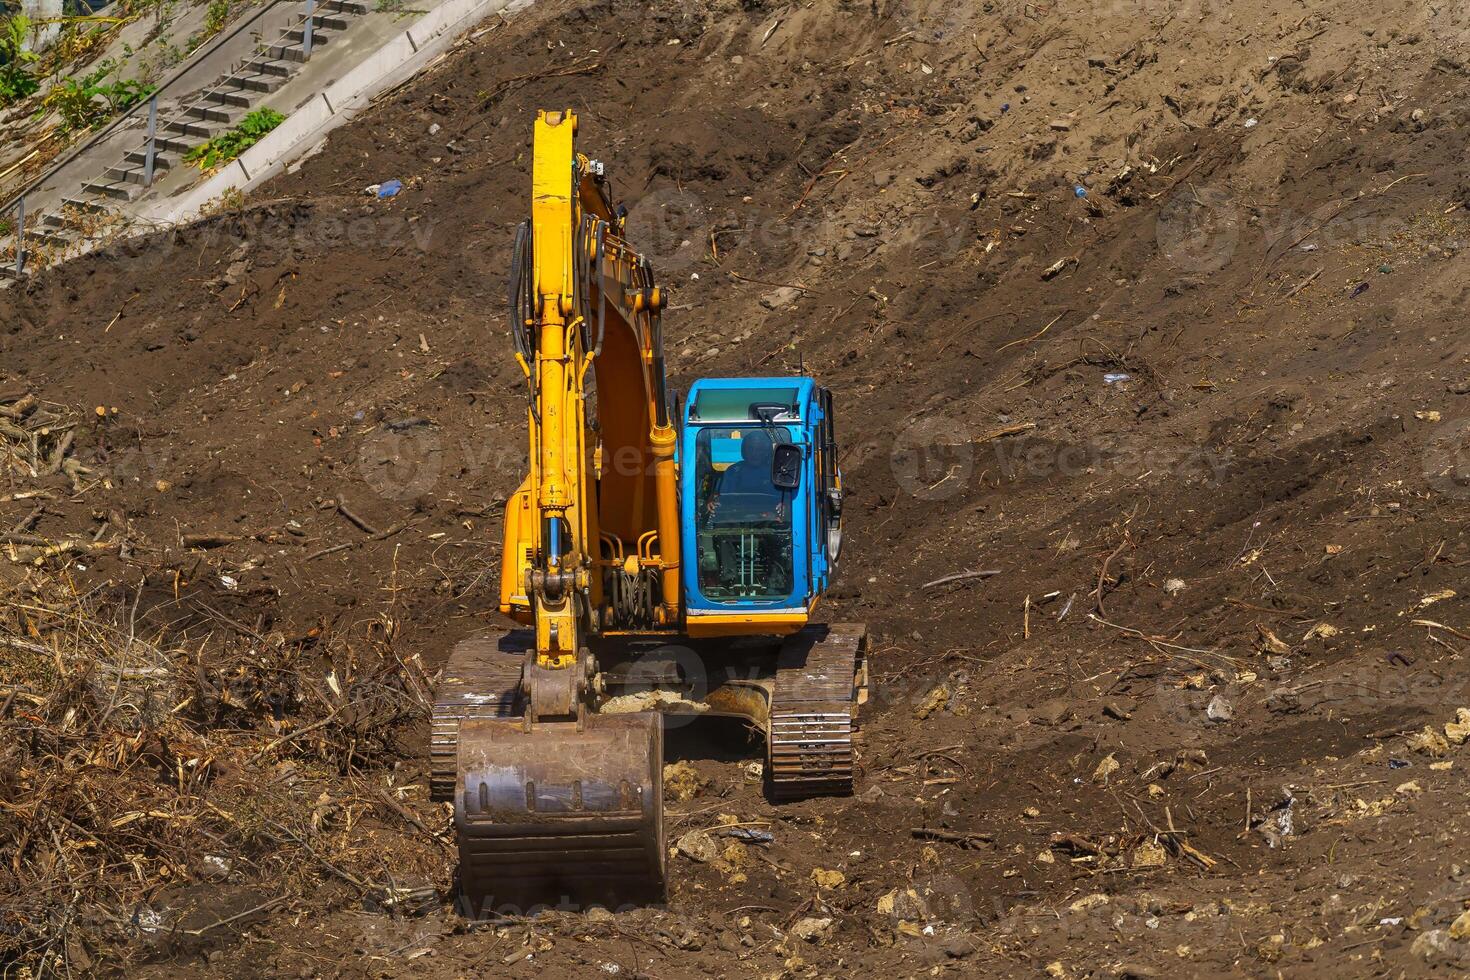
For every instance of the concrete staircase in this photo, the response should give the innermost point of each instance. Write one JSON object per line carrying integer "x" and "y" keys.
{"x": 209, "y": 112}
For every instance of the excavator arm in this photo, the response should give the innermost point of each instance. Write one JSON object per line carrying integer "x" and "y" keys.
{"x": 550, "y": 795}
{"x": 598, "y": 511}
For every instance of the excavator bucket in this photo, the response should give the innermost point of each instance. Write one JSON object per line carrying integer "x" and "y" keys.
{"x": 561, "y": 814}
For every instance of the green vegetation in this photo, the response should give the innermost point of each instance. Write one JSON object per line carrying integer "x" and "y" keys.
{"x": 93, "y": 100}
{"x": 228, "y": 145}
{"x": 81, "y": 40}
{"x": 128, "y": 9}
{"x": 397, "y": 7}
{"x": 16, "y": 81}
{"x": 215, "y": 16}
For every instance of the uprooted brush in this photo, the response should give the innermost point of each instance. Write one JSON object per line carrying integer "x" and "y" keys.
{"x": 36, "y": 438}
{"x": 159, "y": 790}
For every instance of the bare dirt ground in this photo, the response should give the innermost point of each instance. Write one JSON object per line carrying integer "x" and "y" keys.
{"x": 1153, "y": 309}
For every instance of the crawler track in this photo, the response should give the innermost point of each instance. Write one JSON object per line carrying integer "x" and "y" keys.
{"x": 820, "y": 680}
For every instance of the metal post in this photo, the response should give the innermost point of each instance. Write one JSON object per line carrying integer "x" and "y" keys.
{"x": 152, "y": 151}
{"x": 20, "y": 237}
{"x": 306, "y": 28}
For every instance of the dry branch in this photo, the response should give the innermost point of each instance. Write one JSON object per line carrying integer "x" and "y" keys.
{"x": 963, "y": 577}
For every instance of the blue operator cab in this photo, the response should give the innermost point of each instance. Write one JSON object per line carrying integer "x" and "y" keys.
{"x": 761, "y": 501}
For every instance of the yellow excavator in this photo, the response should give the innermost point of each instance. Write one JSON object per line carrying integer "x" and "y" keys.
{"x": 663, "y": 556}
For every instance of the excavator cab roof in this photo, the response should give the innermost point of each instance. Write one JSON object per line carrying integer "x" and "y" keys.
{"x": 749, "y": 399}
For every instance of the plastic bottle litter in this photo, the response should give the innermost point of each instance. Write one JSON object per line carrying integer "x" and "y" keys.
{"x": 749, "y": 835}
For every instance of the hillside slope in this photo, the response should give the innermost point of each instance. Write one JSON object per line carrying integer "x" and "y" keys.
{"x": 1155, "y": 310}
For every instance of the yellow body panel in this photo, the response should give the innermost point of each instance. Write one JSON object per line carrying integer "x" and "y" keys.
{"x": 745, "y": 624}
{"x": 515, "y": 555}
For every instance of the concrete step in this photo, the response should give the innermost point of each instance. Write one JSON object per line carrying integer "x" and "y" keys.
{"x": 266, "y": 67}
{"x": 130, "y": 175}
{"x": 82, "y": 204}
{"x": 225, "y": 95}
{"x": 118, "y": 192}
{"x": 254, "y": 82}
{"x": 44, "y": 238}
{"x": 325, "y": 20}
{"x": 345, "y": 7}
{"x": 286, "y": 52}
{"x": 318, "y": 38}
{"x": 195, "y": 129}
{"x": 72, "y": 209}
{"x": 210, "y": 112}
{"x": 163, "y": 159}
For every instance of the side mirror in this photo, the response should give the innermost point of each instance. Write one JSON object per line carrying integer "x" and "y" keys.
{"x": 786, "y": 467}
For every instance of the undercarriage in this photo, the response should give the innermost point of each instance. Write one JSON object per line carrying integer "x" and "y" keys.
{"x": 572, "y": 811}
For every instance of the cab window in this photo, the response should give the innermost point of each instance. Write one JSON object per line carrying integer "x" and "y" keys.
{"x": 744, "y": 521}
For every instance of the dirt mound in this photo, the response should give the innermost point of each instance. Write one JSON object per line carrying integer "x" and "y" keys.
{"x": 1152, "y": 310}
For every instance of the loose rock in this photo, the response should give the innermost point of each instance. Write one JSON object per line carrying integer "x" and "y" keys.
{"x": 1458, "y": 731}
{"x": 1088, "y": 902}
{"x": 812, "y": 930}
{"x": 825, "y": 878}
{"x": 784, "y": 296}
{"x": 682, "y": 782}
{"x": 1219, "y": 709}
{"x": 1149, "y": 854}
{"x": 698, "y": 846}
{"x": 1105, "y": 768}
{"x": 1432, "y": 946}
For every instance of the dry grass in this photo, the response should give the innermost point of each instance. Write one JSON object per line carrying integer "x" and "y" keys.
{"x": 160, "y": 789}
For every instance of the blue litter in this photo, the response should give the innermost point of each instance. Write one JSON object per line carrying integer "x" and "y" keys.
{"x": 1113, "y": 377}
{"x": 1359, "y": 289}
{"x": 749, "y": 835}
{"x": 1005, "y": 107}
{"x": 1397, "y": 764}
{"x": 389, "y": 188}
{"x": 1080, "y": 191}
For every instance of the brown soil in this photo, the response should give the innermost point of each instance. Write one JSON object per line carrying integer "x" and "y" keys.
{"x": 1207, "y": 643}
